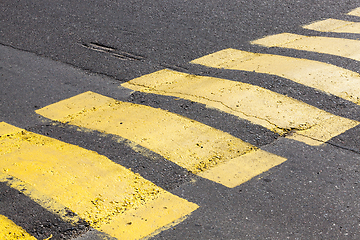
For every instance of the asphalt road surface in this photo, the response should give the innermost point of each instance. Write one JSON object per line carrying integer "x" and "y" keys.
{"x": 179, "y": 119}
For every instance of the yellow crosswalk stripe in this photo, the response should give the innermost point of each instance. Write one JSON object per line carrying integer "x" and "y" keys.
{"x": 325, "y": 77}
{"x": 274, "y": 111}
{"x": 108, "y": 196}
{"x": 355, "y": 12}
{"x": 38, "y": 197}
{"x": 348, "y": 48}
{"x": 188, "y": 143}
{"x": 334, "y": 25}
{"x": 10, "y": 231}
{"x": 310, "y": 121}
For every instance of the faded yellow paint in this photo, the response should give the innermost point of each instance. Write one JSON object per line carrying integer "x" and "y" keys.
{"x": 305, "y": 139}
{"x": 355, "y": 12}
{"x": 143, "y": 219}
{"x": 92, "y": 186}
{"x": 190, "y": 144}
{"x": 325, "y": 129}
{"x": 38, "y": 197}
{"x": 325, "y": 77}
{"x": 243, "y": 168}
{"x": 334, "y": 25}
{"x": 274, "y": 111}
{"x": 348, "y": 48}
{"x": 10, "y": 231}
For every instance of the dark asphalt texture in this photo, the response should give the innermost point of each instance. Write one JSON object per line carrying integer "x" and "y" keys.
{"x": 49, "y": 52}
{"x": 170, "y": 33}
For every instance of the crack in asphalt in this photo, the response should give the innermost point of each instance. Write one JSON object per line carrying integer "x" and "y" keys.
{"x": 281, "y": 131}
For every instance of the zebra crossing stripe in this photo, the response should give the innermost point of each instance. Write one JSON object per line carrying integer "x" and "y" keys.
{"x": 355, "y": 12}
{"x": 188, "y": 143}
{"x": 9, "y": 230}
{"x": 93, "y": 187}
{"x": 325, "y": 77}
{"x": 334, "y": 25}
{"x": 43, "y": 200}
{"x": 348, "y": 48}
{"x": 260, "y": 106}
{"x": 243, "y": 168}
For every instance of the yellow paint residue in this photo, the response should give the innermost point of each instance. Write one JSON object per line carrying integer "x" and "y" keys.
{"x": 274, "y": 111}
{"x": 10, "y": 231}
{"x": 355, "y": 12}
{"x": 348, "y": 48}
{"x": 190, "y": 144}
{"x": 334, "y": 25}
{"x": 325, "y": 77}
{"x": 93, "y": 187}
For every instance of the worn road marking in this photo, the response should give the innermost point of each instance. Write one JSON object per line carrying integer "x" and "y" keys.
{"x": 271, "y": 110}
{"x": 334, "y": 25}
{"x": 243, "y": 168}
{"x": 355, "y": 12}
{"x": 347, "y": 48}
{"x": 10, "y": 231}
{"x": 188, "y": 143}
{"x": 96, "y": 189}
{"x": 274, "y": 111}
{"x": 325, "y": 77}
{"x": 38, "y": 197}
